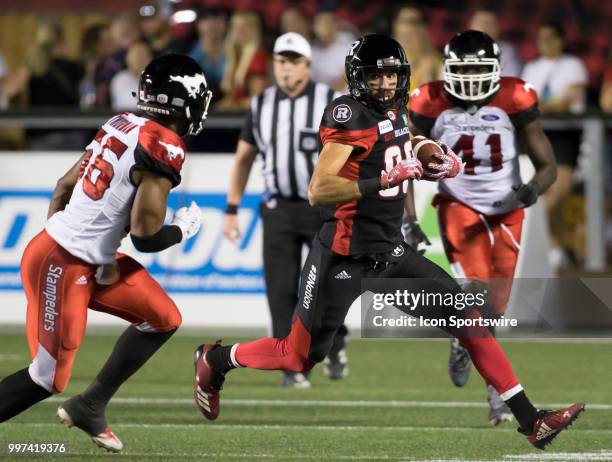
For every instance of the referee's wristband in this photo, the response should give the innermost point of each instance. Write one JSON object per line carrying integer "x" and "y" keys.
{"x": 369, "y": 186}
{"x": 231, "y": 209}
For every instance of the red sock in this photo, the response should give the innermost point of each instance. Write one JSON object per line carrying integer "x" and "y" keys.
{"x": 289, "y": 354}
{"x": 490, "y": 360}
{"x": 492, "y": 364}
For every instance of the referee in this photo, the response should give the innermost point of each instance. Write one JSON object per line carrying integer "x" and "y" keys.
{"x": 282, "y": 127}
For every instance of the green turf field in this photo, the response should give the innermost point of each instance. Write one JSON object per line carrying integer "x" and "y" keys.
{"x": 396, "y": 405}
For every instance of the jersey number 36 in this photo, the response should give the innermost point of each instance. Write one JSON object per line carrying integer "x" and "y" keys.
{"x": 99, "y": 173}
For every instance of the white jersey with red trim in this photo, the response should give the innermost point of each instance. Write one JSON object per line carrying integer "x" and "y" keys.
{"x": 486, "y": 140}
{"x": 97, "y": 217}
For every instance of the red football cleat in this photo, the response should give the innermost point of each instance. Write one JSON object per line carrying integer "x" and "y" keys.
{"x": 208, "y": 383}
{"x": 550, "y": 423}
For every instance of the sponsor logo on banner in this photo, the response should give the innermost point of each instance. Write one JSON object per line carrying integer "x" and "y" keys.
{"x": 206, "y": 263}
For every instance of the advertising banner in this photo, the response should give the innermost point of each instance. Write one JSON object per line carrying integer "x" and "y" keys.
{"x": 203, "y": 271}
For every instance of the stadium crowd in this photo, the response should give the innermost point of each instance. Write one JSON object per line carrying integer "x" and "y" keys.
{"x": 234, "y": 49}
{"x": 566, "y": 57}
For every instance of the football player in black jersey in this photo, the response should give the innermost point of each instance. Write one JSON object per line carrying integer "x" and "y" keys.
{"x": 360, "y": 181}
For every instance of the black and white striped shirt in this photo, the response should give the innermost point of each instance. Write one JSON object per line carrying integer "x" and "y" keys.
{"x": 286, "y": 134}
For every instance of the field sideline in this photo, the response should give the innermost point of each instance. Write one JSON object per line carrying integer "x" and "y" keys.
{"x": 396, "y": 405}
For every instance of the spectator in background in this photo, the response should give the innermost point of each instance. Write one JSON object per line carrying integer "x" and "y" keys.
{"x": 156, "y": 30}
{"x": 560, "y": 80}
{"x": 605, "y": 97}
{"x": 3, "y": 74}
{"x": 124, "y": 85}
{"x": 209, "y": 51}
{"x": 124, "y": 31}
{"x": 329, "y": 49}
{"x": 96, "y": 45}
{"x": 48, "y": 78}
{"x": 485, "y": 20}
{"x": 295, "y": 20}
{"x": 410, "y": 31}
{"x": 605, "y": 102}
{"x": 246, "y": 67}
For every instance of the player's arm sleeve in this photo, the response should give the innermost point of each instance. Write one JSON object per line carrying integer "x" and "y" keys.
{"x": 161, "y": 153}
{"x": 525, "y": 108}
{"x": 145, "y": 160}
{"x": 349, "y": 132}
{"x": 167, "y": 236}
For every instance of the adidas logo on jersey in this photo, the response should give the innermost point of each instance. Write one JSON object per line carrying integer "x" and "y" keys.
{"x": 81, "y": 281}
{"x": 342, "y": 275}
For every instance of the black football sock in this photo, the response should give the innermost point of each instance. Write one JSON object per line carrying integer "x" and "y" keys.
{"x": 525, "y": 413}
{"x": 340, "y": 340}
{"x": 18, "y": 392}
{"x": 132, "y": 350}
{"x": 220, "y": 358}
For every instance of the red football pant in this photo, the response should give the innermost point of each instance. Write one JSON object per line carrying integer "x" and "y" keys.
{"x": 59, "y": 287}
{"x": 292, "y": 354}
{"x": 482, "y": 247}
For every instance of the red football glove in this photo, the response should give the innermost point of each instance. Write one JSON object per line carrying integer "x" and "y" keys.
{"x": 449, "y": 165}
{"x": 408, "y": 169}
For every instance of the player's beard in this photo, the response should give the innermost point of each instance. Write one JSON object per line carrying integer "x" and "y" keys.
{"x": 383, "y": 95}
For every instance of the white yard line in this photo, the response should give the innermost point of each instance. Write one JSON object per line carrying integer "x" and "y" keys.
{"x": 8, "y": 357}
{"x": 562, "y": 456}
{"x": 274, "y": 427}
{"x": 605, "y": 455}
{"x": 332, "y": 403}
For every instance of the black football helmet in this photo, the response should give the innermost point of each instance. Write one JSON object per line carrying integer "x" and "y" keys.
{"x": 377, "y": 52}
{"x": 174, "y": 86}
{"x": 471, "y": 70}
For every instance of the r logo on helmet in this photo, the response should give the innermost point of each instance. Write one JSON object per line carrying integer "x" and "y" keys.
{"x": 342, "y": 113}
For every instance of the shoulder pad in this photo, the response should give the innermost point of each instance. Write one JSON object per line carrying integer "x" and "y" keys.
{"x": 515, "y": 95}
{"x": 347, "y": 121}
{"x": 429, "y": 99}
{"x": 346, "y": 113}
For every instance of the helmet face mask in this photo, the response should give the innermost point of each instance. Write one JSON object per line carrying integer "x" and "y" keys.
{"x": 378, "y": 54}
{"x": 471, "y": 86}
{"x": 173, "y": 88}
{"x": 196, "y": 113}
{"x": 471, "y": 71}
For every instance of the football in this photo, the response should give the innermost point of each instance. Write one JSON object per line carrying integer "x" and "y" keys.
{"x": 424, "y": 149}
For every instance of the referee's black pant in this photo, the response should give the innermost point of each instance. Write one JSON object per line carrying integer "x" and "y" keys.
{"x": 287, "y": 226}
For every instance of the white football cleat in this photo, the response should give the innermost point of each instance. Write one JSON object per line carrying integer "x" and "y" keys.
{"x": 107, "y": 439}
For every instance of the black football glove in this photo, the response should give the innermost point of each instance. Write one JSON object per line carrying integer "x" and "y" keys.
{"x": 527, "y": 194}
{"x": 414, "y": 236}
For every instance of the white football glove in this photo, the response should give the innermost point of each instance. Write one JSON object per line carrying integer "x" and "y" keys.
{"x": 450, "y": 164}
{"x": 189, "y": 219}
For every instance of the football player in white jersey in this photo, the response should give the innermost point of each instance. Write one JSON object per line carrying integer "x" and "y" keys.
{"x": 483, "y": 117}
{"x": 118, "y": 186}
